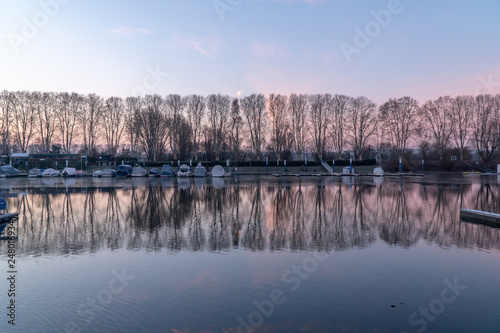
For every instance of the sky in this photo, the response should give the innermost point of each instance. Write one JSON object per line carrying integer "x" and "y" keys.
{"x": 378, "y": 49}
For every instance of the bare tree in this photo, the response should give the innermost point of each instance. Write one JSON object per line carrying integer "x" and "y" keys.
{"x": 298, "y": 106}
{"x": 133, "y": 106}
{"x": 399, "y": 118}
{"x": 461, "y": 114}
{"x": 46, "y": 119}
{"x": 90, "y": 121}
{"x": 321, "y": 107}
{"x": 175, "y": 105}
{"x": 485, "y": 126}
{"x": 151, "y": 123}
{"x": 218, "y": 115}
{"x": 24, "y": 118}
{"x": 6, "y": 110}
{"x": 114, "y": 123}
{"x": 436, "y": 116}
{"x": 362, "y": 123}
{"x": 340, "y": 107}
{"x": 254, "y": 110}
{"x": 69, "y": 108}
{"x": 236, "y": 129}
{"x": 277, "y": 110}
{"x": 185, "y": 134}
{"x": 196, "y": 106}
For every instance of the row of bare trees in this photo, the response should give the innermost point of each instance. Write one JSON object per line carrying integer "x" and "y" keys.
{"x": 218, "y": 126}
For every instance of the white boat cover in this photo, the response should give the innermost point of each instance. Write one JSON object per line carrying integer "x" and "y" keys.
{"x": 69, "y": 172}
{"x": 167, "y": 170}
{"x": 184, "y": 171}
{"x": 139, "y": 171}
{"x": 50, "y": 173}
{"x": 218, "y": 171}
{"x": 200, "y": 171}
{"x": 108, "y": 173}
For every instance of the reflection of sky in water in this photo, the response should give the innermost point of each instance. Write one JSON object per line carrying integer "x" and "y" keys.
{"x": 201, "y": 253}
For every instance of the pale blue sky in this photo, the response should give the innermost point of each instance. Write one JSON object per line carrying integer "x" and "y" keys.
{"x": 428, "y": 49}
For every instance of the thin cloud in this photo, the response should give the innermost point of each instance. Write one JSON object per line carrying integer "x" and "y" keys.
{"x": 125, "y": 31}
{"x": 206, "y": 46}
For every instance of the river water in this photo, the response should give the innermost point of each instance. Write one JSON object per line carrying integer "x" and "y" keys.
{"x": 252, "y": 254}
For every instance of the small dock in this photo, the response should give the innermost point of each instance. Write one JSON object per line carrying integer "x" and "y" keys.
{"x": 478, "y": 216}
{"x": 4, "y": 220}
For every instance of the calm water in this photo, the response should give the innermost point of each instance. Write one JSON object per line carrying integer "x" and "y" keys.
{"x": 262, "y": 254}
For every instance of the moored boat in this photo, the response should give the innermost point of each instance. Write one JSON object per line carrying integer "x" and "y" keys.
{"x": 200, "y": 171}
{"x": 154, "y": 172}
{"x": 184, "y": 171}
{"x": 69, "y": 172}
{"x": 108, "y": 173}
{"x": 50, "y": 173}
{"x": 378, "y": 171}
{"x": 139, "y": 171}
{"x": 8, "y": 170}
{"x": 167, "y": 171}
{"x": 218, "y": 171}
{"x": 123, "y": 170}
{"x": 33, "y": 173}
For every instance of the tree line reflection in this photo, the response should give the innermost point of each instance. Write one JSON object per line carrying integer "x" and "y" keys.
{"x": 324, "y": 216}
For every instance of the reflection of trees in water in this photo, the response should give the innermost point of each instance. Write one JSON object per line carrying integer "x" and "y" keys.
{"x": 112, "y": 224}
{"x": 339, "y": 230}
{"x": 397, "y": 228}
{"x": 179, "y": 207}
{"x": 256, "y": 217}
{"x": 444, "y": 227}
{"x": 298, "y": 237}
{"x": 321, "y": 237}
{"x": 196, "y": 233}
{"x": 443, "y": 217}
{"x": 235, "y": 220}
{"x": 254, "y": 238}
{"x": 89, "y": 219}
{"x": 36, "y": 225}
{"x": 362, "y": 235}
{"x": 219, "y": 238}
{"x": 487, "y": 199}
{"x": 282, "y": 207}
